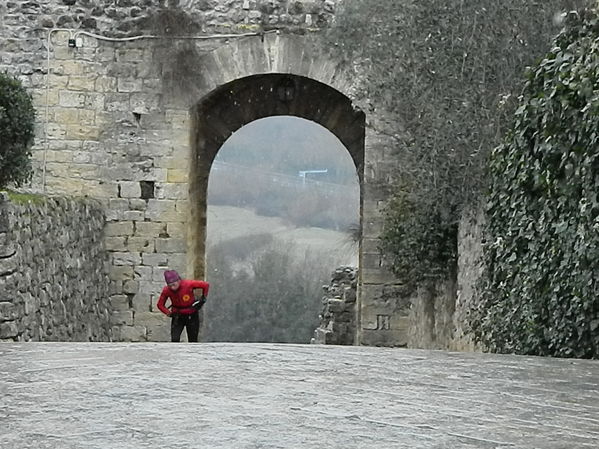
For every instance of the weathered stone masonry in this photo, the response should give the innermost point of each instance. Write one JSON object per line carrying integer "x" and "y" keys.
{"x": 134, "y": 124}
{"x": 338, "y": 316}
{"x": 54, "y": 281}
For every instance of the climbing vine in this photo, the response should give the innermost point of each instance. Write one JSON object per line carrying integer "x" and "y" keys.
{"x": 444, "y": 73}
{"x": 542, "y": 254}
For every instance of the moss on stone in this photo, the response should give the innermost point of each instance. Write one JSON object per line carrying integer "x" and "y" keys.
{"x": 25, "y": 198}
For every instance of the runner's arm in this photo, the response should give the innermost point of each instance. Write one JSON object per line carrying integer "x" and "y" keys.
{"x": 161, "y": 304}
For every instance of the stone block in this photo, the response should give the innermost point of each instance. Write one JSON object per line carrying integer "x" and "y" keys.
{"x": 116, "y": 102}
{"x": 178, "y": 118}
{"x": 178, "y": 191}
{"x": 371, "y": 245}
{"x": 121, "y": 273}
{"x": 163, "y": 210}
{"x": 87, "y": 116}
{"x": 321, "y": 337}
{"x": 171, "y": 245}
{"x": 126, "y": 258}
{"x": 122, "y": 318}
{"x": 66, "y": 115}
{"x": 105, "y": 84}
{"x": 349, "y": 295}
{"x": 142, "y": 302}
{"x": 130, "y": 54}
{"x": 84, "y": 83}
{"x": 140, "y": 244}
{"x": 149, "y": 229}
{"x": 83, "y": 132}
{"x": 129, "y": 85}
{"x": 56, "y": 131}
{"x": 116, "y": 287}
{"x": 138, "y": 204}
{"x": 160, "y": 332}
{"x": 154, "y": 259}
{"x": 177, "y": 175}
{"x": 118, "y": 204}
{"x": 158, "y": 275}
{"x": 143, "y": 273}
{"x": 8, "y": 311}
{"x": 182, "y": 206}
{"x": 31, "y": 304}
{"x": 62, "y": 156}
{"x": 372, "y": 260}
{"x": 151, "y": 288}
{"x": 178, "y": 261}
{"x": 115, "y": 243}
{"x": 119, "y": 303}
{"x": 143, "y": 103}
{"x": 151, "y": 319}
{"x": 377, "y": 276}
{"x": 131, "y": 287}
{"x": 129, "y": 189}
{"x": 9, "y": 329}
{"x": 345, "y": 317}
{"x": 8, "y": 265}
{"x": 57, "y": 77}
{"x": 95, "y": 101}
{"x": 336, "y": 305}
{"x": 133, "y": 333}
{"x": 73, "y": 67}
{"x": 7, "y": 246}
{"x": 121, "y": 228}
{"x": 134, "y": 215}
{"x": 171, "y": 162}
{"x": 176, "y": 229}
{"x": 39, "y": 98}
{"x": 69, "y": 99}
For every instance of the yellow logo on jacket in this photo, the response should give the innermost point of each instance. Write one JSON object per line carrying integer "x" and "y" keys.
{"x": 186, "y": 298}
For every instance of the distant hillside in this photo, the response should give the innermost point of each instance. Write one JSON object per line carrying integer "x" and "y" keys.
{"x": 228, "y": 223}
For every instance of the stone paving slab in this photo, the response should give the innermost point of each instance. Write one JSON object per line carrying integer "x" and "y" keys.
{"x": 208, "y": 395}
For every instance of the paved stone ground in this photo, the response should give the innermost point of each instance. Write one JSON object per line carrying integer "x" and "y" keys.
{"x": 162, "y": 395}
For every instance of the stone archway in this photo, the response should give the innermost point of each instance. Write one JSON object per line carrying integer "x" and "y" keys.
{"x": 237, "y": 103}
{"x": 248, "y": 79}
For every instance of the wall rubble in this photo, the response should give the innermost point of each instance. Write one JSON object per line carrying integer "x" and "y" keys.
{"x": 54, "y": 283}
{"x": 338, "y": 317}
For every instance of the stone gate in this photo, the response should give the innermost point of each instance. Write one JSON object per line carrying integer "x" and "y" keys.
{"x": 134, "y": 100}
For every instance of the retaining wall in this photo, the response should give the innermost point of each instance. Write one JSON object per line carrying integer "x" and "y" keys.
{"x": 54, "y": 271}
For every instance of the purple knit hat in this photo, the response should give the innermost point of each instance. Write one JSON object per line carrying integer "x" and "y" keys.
{"x": 171, "y": 276}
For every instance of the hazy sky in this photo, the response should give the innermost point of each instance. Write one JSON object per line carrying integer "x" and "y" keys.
{"x": 287, "y": 145}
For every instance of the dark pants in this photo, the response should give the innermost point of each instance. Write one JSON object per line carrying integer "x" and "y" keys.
{"x": 191, "y": 322}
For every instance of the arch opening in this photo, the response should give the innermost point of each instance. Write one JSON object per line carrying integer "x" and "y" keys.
{"x": 231, "y": 106}
{"x": 283, "y": 198}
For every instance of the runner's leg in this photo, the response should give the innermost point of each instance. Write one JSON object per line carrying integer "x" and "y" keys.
{"x": 177, "y": 324}
{"x": 193, "y": 327}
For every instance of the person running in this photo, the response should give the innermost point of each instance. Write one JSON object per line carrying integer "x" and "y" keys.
{"x": 184, "y": 307}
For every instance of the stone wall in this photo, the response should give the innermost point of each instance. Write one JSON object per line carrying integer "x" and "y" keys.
{"x": 119, "y": 121}
{"x": 431, "y": 317}
{"x": 114, "y": 115}
{"x": 470, "y": 271}
{"x": 438, "y": 317}
{"x": 54, "y": 282}
{"x": 338, "y": 316}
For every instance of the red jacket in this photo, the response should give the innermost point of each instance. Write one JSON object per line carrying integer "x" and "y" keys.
{"x": 181, "y": 299}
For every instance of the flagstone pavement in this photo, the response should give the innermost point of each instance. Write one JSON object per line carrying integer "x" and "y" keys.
{"x": 225, "y": 395}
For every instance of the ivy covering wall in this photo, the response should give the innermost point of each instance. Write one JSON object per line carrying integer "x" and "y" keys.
{"x": 542, "y": 252}
{"x": 447, "y": 73}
